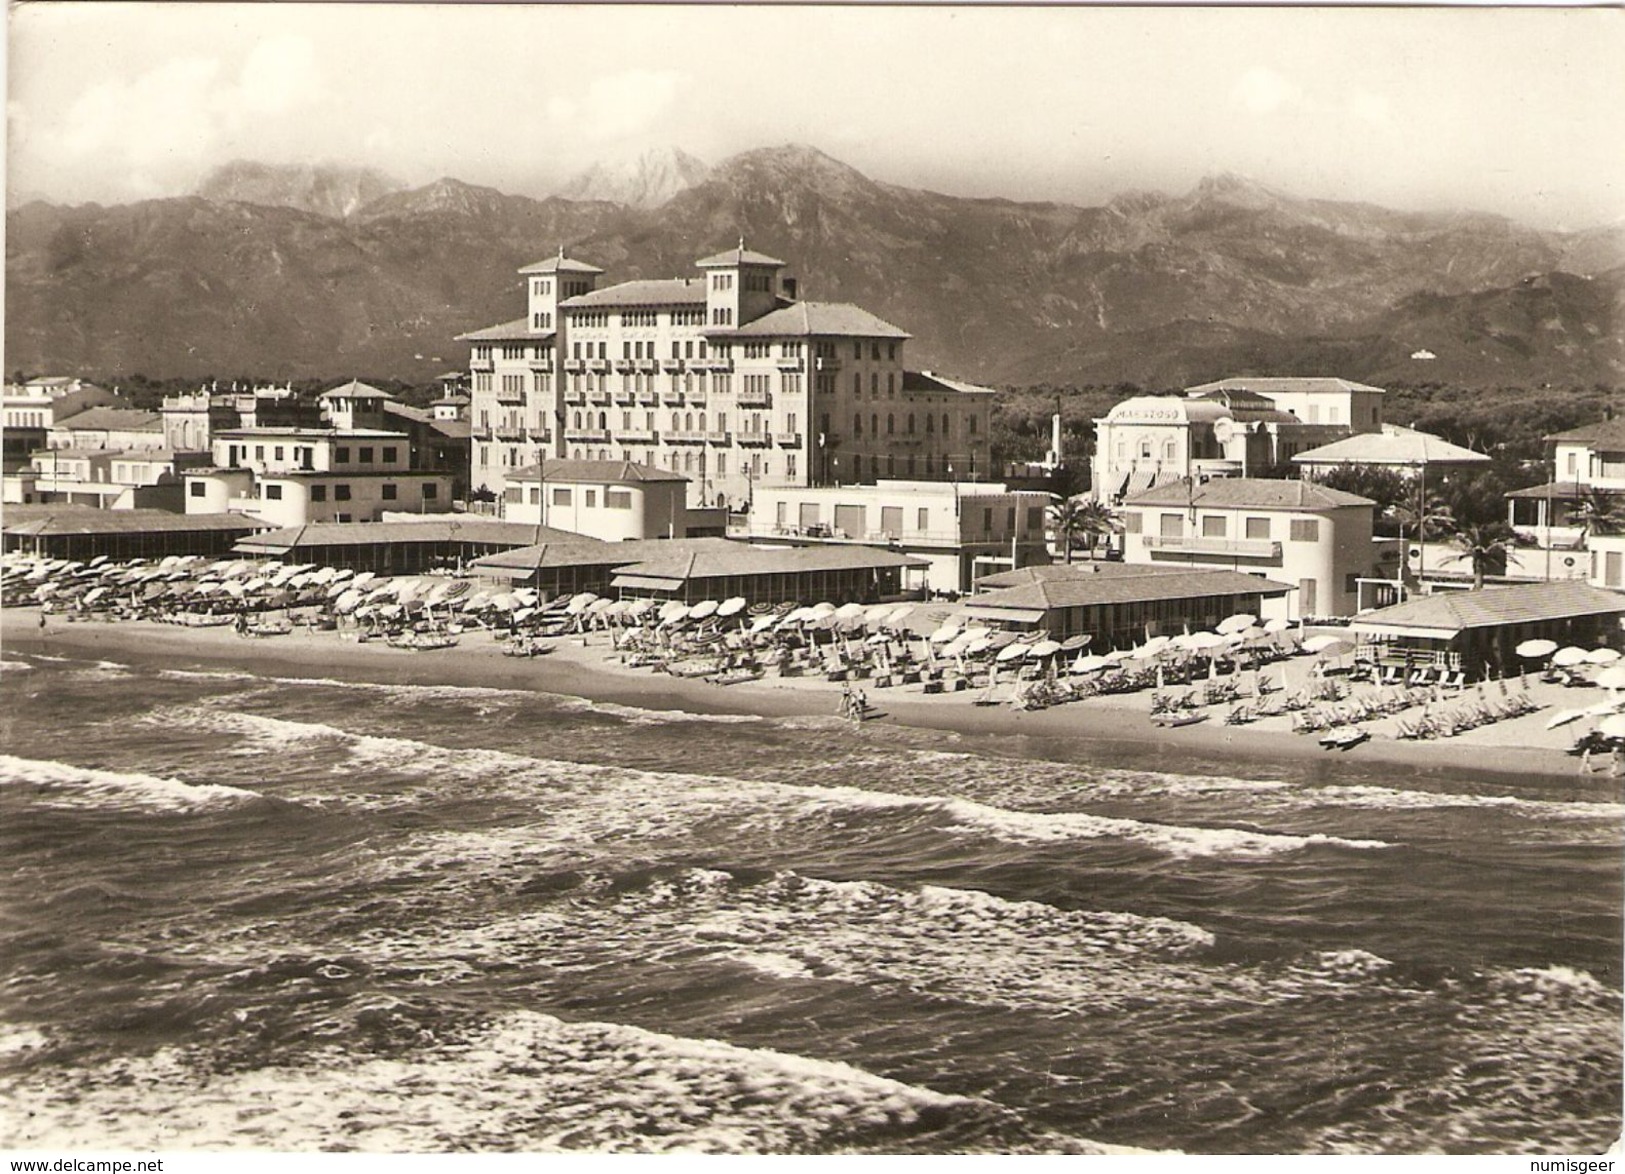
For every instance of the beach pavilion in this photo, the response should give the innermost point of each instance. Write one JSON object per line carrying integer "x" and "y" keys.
{"x": 1476, "y": 632}
{"x": 397, "y": 548}
{"x": 1123, "y": 606}
{"x": 85, "y": 532}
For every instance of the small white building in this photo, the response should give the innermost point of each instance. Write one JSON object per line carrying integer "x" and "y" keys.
{"x": 614, "y": 501}
{"x": 1296, "y": 532}
{"x": 964, "y": 531}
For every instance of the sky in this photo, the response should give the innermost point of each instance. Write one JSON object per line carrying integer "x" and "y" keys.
{"x": 1513, "y": 111}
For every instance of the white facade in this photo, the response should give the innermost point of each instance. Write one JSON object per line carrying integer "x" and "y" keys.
{"x": 1321, "y": 543}
{"x": 964, "y": 530}
{"x": 609, "y": 500}
{"x": 722, "y": 377}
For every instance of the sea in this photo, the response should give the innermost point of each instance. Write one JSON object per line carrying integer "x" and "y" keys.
{"x": 311, "y": 914}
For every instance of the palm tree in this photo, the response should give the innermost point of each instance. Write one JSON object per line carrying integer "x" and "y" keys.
{"x": 1070, "y": 517}
{"x": 1600, "y": 513}
{"x": 1484, "y": 547}
{"x": 1424, "y": 521}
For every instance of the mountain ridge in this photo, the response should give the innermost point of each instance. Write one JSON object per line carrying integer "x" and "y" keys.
{"x": 1145, "y": 288}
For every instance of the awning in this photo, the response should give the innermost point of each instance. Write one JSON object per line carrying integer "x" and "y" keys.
{"x": 647, "y": 582}
{"x": 1360, "y": 629}
{"x": 1009, "y": 615}
{"x": 1139, "y": 481}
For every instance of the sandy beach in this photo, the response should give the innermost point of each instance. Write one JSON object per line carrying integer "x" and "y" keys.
{"x": 588, "y": 667}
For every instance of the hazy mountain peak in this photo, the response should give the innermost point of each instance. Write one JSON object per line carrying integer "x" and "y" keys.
{"x": 1227, "y": 187}
{"x": 647, "y": 181}
{"x": 327, "y": 189}
{"x": 444, "y": 196}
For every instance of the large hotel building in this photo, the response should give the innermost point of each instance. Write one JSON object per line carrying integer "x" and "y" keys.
{"x": 723, "y": 377}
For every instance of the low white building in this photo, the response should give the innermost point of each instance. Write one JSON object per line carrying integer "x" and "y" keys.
{"x": 964, "y": 531}
{"x": 1296, "y": 532}
{"x": 610, "y": 500}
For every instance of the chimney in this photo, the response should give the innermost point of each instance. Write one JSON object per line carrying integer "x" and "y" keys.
{"x": 1055, "y": 438}
{"x": 790, "y": 288}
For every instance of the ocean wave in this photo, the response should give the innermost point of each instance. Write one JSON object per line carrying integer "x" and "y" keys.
{"x": 207, "y": 675}
{"x": 15, "y": 666}
{"x": 59, "y": 784}
{"x": 529, "y": 1082}
{"x": 649, "y": 717}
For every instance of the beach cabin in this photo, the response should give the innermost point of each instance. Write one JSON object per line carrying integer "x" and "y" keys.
{"x": 395, "y": 548}
{"x": 84, "y": 532}
{"x": 715, "y": 568}
{"x": 1125, "y": 605}
{"x": 1476, "y": 632}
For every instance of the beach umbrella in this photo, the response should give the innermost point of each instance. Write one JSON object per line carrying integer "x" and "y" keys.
{"x": 896, "y": 618}
{"x": 1042, "y": 649}
{"x": 347, "y": 602}
{"x": 1564, "y": 717}
{"x": 1327, "y": 645}
{"x": 1612, "y": 677}
{"x": 1011, "y": 652}
{"x": 704, "y": 609}
{"x": 670, "y": 607}
{"x": 1612, "y": 727}
{"x": 851, "y": 611}
{"x": 523, "y": 614}
{"x": 1605, "y": 707}
{"x": 825, "y": 608}
{"x": 642, "y": 607}
{"x": 968, "y": 644}
{"x": 762, "y": 609}
{"x": 944, "y": 634}
{"x": 1204, "y": 641}
{"x": 674, "y": 617}
{"x": 601, "y": 607}
{"x": 1276, "y": 627}
{"x": 1090, "y": 664}
{"x": 1602, "y": 656}
{"x": 1074, "y": 643}
{"x": 1235, "y": 623}
{"x": 763, "y": 623}
{"x": 731, "y": 606}
{"x": 1565, "y": 658}
{"x": 579, "y": 603}
{"x": 1535, "y": 649}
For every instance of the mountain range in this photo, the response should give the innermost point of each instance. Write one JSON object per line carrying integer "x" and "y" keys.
{"x": 286, "y": 272}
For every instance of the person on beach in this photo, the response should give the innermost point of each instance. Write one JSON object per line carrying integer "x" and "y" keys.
{"x": 1619, "y": 761}
{"x": 846, "y": 699}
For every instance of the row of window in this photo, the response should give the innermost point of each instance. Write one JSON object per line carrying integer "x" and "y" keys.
{"x": 561, "y": 495}
{"x": 908, "y": 422}
{"x": 754, "y": 422}
{"x": 1171, "y": 525}
{"x": 318, "y": 493}
{"x": 304, "y": 454}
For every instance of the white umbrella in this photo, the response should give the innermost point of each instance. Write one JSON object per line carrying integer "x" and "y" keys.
{"x": 1612, "y": 677}
{"x": 580, "y": 603}
{"x": 1204, "y": 641}
{"x": 1564, "y": 717}
{"x": 1602, "y": 656}
{"x": 1235, "y": 623}
{"x": 763, "y": 623}
{"x": 1612, "y": 727}
{"x": 1275, "y": 627}
{"x": 674, "y": 617}
{"x": 731, "y": 606}
{"x": 1535, "y": 649}
{"x": 1043, "y": 648}
{"x": 878, "y": 638}
{"x": 703, "y": 609}
{"x": 523, "y": 614}
{"x": 1565, "y": 658}
{"x": 826, "y": 608}
{"x": 1604, "y": 708}
{"x": 972, "y": 644}
{"x": 850, "y": 611}
{"x": 944, "y": 634}
{"x": 1335, "y": 645}
{"x": 1011, "y": 652}
{"x": 364, "y": 578}
{"x": 896, "y": 618}
{"x": 1089, "y": 664}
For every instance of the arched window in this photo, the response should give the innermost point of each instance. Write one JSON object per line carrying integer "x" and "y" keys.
{"x": 891, "y": 424}
{"x": 911, "y": 423}
{"x": 603, "y": 419}
{"x": 688, "y": 422}
{"x": 857, "y": 424}
{"x": 1168, "y": 450}
{"x": 874, "y": 424}
{"x": 930, "y": 423}
{"x": 577, "y": 423}
{"x": 676, "y": 422}
{"x": 603, "y": 454}
{"x": 945, "y": 423}
{"x": 702, "y": 421}
{"x": 911, "y": 464}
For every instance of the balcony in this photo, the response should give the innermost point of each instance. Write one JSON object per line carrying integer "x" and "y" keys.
{"x": 637, "y": 436}
{"x": 626, "y": 366}
{"x": 720, "y": 439}
{"x": 595, "y": 435}
{"x": 542, "y": 362}
{"x": 649, "y": 398}
{"x": 684, "y": 437}
{"x": 600, "y": 396}
{"x": 648, "y": 366}
{"x": 795, "y": 363}
{"x": 755, "y": 399}
{"x": 1222, "y": 547}
{"x": 480, "y": 365}
{"x": 715, "y": 364}
{"x": 755, "y": 439}
{"x": 788, "y": 439}
{"x": 512, "y": 435}
{"x": 600, "y": 366}
{"x": 509, "y": 397}
{"x": 575, "y": 398}
{"x": 827, "y": 363}
{"x": 674, "y": 366}
{"x": 672, "y": 397}
{"x": 575, "y": 366}
{"x": 625, "y": 397}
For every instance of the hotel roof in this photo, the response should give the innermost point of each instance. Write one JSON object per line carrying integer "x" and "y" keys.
{"x": 562, "y": 469}
{"x": 813, "y": 318}
{"x": 1392, "y": 446}
{"x": 1249, "y": 492}
{"x": 666, "y": 291}
{"x": 1278, "y": 384}
{"x": 517, "y": 330}
{"x": 713, "y": 558}
{"x": 355, "y": 389}
{"x": 561, "y": 264}
{"x": 930, "y": 381}
{"x": 739, "y": 256}
{"x": 1086, "y": 570}
{"x": 1448, "y": 612}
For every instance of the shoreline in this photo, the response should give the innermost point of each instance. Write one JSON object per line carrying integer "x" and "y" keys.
{"x": 1520, "y": 750}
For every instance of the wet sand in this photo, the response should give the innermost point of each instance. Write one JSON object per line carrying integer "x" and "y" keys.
{"x": 591, "y": 669}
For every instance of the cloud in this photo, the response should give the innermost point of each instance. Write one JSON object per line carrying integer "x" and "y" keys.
{"x": 1263, "y": 91}
{"x": 279, "y": 75}
{"x": 1365, "y": 105}
{"x": 619, "y": 105}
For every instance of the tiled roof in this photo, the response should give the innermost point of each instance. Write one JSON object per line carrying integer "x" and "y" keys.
{"x": 1267, "y": 384}
{"x": 800, "y": 319}
{"x": 930, "y": 381}
{"x": 711, "y": 558}
{"x": 1453, "y": 611}
{"x": 667, "y": 291}
{"x": 55, "y": 519}
{"x": 1608, "y": 435}
{"x": 122, "y": 419}
{"x": 562, "y": 469}
{"x": 1392, "y": 446}
{"x": 455, "y": 400}
{"x": 1249, "y": 492}
{"x": 1092, "y": 590}
{"x": 1563, "y": 490}
{"x": 456, "y": 528}
{"x": 355, "y": 389}
{"x": 1084, "y": 570}
{"x": 739, "y": 256}
{"x": 561, "y": 264}
{"x": 517, "y": 330}
{"x": 563, "y": 550}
